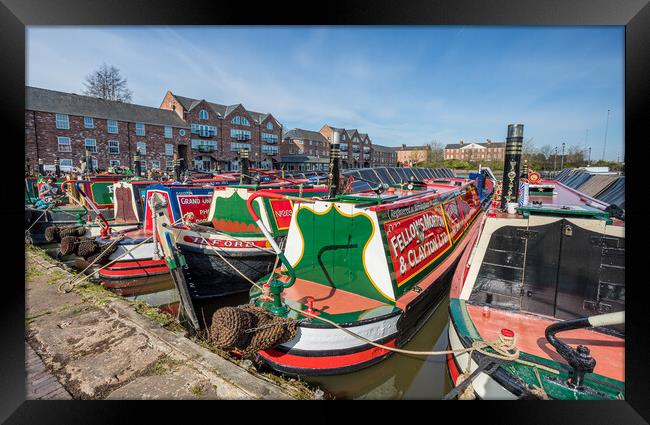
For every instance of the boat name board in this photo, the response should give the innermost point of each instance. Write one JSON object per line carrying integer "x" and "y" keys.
{"x": 199, "y": 205}
{"x": 225, "y": 243}
{"x": 416, "y": 241}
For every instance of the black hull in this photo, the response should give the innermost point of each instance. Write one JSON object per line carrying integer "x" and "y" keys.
{"x": 208, "y": 276}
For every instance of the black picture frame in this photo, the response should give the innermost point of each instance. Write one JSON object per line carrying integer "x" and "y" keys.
{"x": 16, "y": 14}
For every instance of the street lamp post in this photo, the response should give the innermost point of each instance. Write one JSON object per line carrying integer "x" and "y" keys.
{"x": 562, "y": 158}
{"x": 589, "y": 158}
{"x": 555, "y": 160}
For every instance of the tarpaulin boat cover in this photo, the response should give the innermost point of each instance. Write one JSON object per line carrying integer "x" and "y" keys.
{"x": 615, "y": 193}
{"x": 596, "y": 184}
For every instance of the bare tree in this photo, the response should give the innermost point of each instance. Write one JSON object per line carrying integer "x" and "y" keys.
{"x": 436, "y": 153}
{"x": 107, "y": 83}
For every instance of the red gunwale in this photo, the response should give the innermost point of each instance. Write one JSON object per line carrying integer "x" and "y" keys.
{"x": 326, "y": 362}
{"x": 139, "y": 272}
{"x": 125, "y": 265}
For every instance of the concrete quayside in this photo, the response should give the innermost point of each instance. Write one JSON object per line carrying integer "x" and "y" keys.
{"x": 91, "y": 344}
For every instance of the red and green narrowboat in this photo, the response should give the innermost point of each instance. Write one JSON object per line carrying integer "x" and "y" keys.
{"x": 550, "y": 276}
{"x": 230, "y": 235}
{"x": 373, "y": 264}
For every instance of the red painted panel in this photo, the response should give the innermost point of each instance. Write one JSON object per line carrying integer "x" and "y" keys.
{"x": 415, "y": 241}
{"x": 325, "y": 362}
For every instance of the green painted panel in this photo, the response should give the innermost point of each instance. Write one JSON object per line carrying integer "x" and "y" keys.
{"x": 102, "y": 193}
{"x": 333, "y": 246}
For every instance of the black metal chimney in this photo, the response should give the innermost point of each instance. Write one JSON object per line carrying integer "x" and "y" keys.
{"x": 57, "y": 169}
{"x": 41, "y": 167}
{"x": 333, "y": 177}
{"x": 136, "y": 164}
{"x": 176, "y": 164}
{"x": 512, "y": 164}
{"x": 89, "y": 162}
{"x": 244, "y": 177}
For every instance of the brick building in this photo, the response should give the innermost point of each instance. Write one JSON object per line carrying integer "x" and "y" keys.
{"x": 412, "y": 155}
{"x": 218, "y": 132}
{"x": 304, "y": 150}
{"x": 383, "y": 156}
{"x": 356, "y": 148}
{"x": 488, "y": 151}
{"x": 65, "y": 125}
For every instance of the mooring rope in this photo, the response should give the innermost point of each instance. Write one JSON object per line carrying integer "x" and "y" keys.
{"x": 505, "y": 348}
{"x": 41, "y": 216}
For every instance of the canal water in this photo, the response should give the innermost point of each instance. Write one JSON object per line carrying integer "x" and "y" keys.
{"x": 397, "y": 377}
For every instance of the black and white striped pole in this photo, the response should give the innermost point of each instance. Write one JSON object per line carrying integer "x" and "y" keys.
{"x": 244, "y": 177}
{"x": 333, "y": 176}
{"x": 512, "y": 164}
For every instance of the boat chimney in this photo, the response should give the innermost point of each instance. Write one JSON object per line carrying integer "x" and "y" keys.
{"x": 512, "y": 164}
{"x": 333, "y": 175}
{"x": 57, "y": 169}
{"x": 524, "y": 174}
{"x": 176, "y": 163}
{"x": 244, "y": 177}
{"x": 137, "y": 165}
{"x": 41, "y": 167}
{"x": 89, "y": 162}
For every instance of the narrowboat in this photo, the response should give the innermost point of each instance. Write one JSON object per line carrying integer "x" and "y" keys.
{"x": 547, "y": 281}
{"x": 86, "y": 203}
{"x": 137, "y": 254}
{"x": 228, "y": 234}
{"x": 375, "y": 265}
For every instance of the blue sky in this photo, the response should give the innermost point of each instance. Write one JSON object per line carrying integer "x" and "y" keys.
{"x": 399, "y": 84}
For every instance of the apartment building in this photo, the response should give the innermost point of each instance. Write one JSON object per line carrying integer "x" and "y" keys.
{"x": 488, "y": 151}
{"x": 218, "y": 132}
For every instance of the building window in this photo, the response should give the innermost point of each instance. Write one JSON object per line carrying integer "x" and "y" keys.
{"x": 235, "y": 147}
{"x": 91, "y": 145}
{"x": 204, "y": 145}
{"x": 155, "y": 165}
{"x": 62, "y": 121}
{"x": 88, "y": 122}
{"x": 269, "y": 138}
{"x": 64, "y": 144}
{"x": 168, "y": 132}
{"x": 203, "y": 114}
{"x": 114, "y": 163}
{"x": 169, "y": 149}
{"x": 270, "y": 150}
{"x": 142, "y": 148}
{"x": 169, "y": 164}
{"x": 240, "y": 134}
{"x": 111, "y": 126}
{"x": 113, "y": 146}
{"x": 239, "y": 120}
{"x": 139, "y": 129}
{"x": 143, "y": 165}
{"x": 269, "y": 125}
{"x": 65, "y": 164}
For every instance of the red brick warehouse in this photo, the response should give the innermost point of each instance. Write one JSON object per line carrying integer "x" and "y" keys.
{"x": 65, "y": 125}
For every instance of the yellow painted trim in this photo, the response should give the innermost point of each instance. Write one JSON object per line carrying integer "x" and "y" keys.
{"x": 363, "y": 253}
